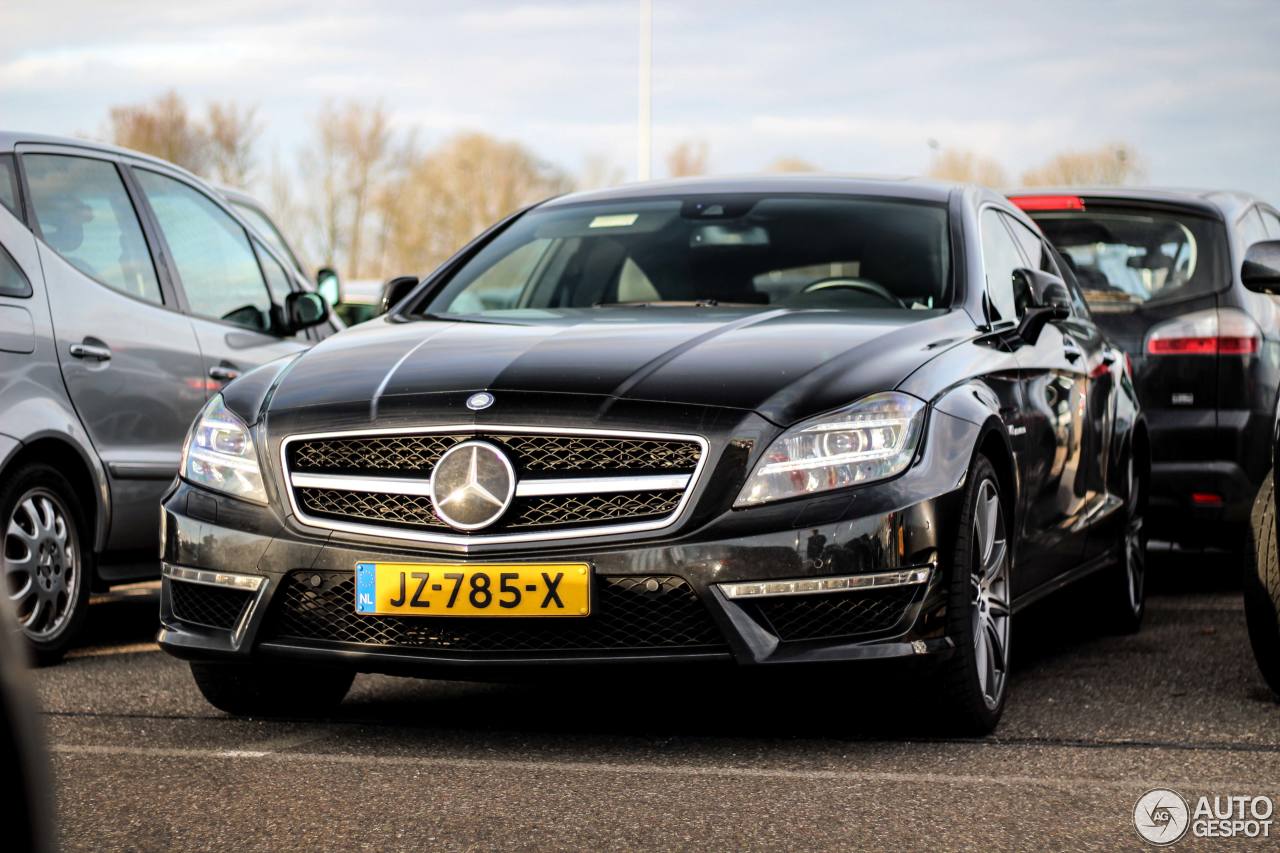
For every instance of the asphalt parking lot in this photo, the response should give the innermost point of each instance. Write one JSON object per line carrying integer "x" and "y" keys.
{"x": 1094, "y": 721}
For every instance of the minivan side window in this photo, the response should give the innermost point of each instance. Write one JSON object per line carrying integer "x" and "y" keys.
{"x": 216, "y": 264}
{"x": 1252, "y": 229}
{"x": 1273, "y": 224}
{"x": 1000, "y": 258}
{"x": 277, "y": 278}
{"x": 85, "y": 215}
{"x": 9, "y": 185}
{"x": 13, "y": 281}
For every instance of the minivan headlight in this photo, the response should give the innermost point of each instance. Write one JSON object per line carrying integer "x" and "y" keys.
{"x": 220, "y": 455}
{"x": 874, "y": 439}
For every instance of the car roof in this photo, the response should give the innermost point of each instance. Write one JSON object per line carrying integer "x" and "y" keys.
{"x": 1228, "y": 204}
{"x": 9, "y": 139}
{"x": 891, "y": 187}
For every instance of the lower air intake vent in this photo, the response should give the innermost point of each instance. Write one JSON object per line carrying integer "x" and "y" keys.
{"x": 210, "y": 606}
{"x": 659, "y": 612}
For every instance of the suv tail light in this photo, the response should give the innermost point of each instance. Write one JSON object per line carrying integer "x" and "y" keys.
{"x": 1213, "y": 331}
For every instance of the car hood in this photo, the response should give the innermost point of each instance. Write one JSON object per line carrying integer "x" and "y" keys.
{"x": 781, "y": 364}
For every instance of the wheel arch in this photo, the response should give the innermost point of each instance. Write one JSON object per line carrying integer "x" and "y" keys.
{"x": 86, "y": 479}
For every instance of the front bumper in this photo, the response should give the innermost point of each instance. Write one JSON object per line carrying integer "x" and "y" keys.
{"x": 870, "y": 584}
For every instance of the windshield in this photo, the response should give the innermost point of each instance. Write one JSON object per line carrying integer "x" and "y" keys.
{"x": 751, "y": 251}
{"x": 1124, "y": 258}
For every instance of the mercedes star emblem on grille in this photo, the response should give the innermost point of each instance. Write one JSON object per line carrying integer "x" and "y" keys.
{"x": 482, "y": 400}
{"x": 472, "y": 485}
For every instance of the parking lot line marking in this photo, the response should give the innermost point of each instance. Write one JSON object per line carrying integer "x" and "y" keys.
{"x": 689, "y": 771}
{"x": 103, "y": 651}
{"x": 279, "y": 744}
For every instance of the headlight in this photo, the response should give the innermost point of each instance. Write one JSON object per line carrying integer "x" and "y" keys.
{"x": 219, "y": 454}
{"x": 873, "y": 439}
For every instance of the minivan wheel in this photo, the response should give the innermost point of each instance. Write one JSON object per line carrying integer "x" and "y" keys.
{"x": 47, "y": 566}
{"x": 1125, "y": 593}
{"x": 975, "y": 678}
{"x": 269, "y": 690}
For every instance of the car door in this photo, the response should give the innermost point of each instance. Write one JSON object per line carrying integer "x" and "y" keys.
{"x": 1049, "y": 440}
{"x": 233, "y": 287}
{"x": 129, "y": 357}
{"x": 1081, "y": 334}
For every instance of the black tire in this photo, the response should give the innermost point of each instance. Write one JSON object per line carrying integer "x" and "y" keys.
{"x": 268, "y": 690}
{"x": 48, "y": 565}
{"x": 1262, "y": 587}
{"x": 1124, "y": 585}
{"x": 971, "y": 709}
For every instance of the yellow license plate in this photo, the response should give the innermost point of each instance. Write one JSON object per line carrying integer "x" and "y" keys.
{"x": 506, "y": 589}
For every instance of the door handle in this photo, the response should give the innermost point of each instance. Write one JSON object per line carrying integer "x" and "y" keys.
{"x": 223, "y": 373}
{"x": 93, "y": 351}
{"x": 1108, "y": 357}
{"x": 1073, "y": 353}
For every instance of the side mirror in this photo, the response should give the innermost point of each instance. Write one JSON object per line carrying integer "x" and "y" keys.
{"x": 328, "y": 285}
{"x": 397, "y": 289}
{"x": 1043, "y": 297}
{"x": 304, "y": 310}
{"x": 1261, "y": 269}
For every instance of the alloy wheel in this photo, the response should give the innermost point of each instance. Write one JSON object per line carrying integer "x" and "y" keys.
{"x": 990, "y": 594}
{"x": 41, "y": 560}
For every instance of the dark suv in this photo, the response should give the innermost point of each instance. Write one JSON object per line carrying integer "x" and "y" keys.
{"x": 1161, "y": 273}
{"x": 129, "y": 294}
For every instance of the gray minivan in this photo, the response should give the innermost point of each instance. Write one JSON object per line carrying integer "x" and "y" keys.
{"x": 129, "y": 293}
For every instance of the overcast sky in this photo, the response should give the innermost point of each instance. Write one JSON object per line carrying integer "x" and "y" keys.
{"x": 1194, "y": 87}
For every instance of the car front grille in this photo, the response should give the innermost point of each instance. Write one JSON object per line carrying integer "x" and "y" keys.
{"x": 837, "y": 615}
{"x": 658, "y": 613}
{"x": 210, "y": 606}
{"x": 597, "y": 481}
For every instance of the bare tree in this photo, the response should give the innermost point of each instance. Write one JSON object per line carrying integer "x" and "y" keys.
{"x": 346, "y": 165}
{"x": 232, "y": 135}
{"x": 1110, "y": 164}
{"x": 788, "y": 163}
{"x": 456, "y": 191}
{"x": 162, "y": 128}
{"x": 957, "y": 164}
{"x": 687, "y": 159}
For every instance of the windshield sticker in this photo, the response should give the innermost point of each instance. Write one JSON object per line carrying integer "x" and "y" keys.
{"x": 614, "y": 220}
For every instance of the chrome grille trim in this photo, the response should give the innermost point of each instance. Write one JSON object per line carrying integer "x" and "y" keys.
{"x": 642, "y": 483}
{"x": 524, "y": 488}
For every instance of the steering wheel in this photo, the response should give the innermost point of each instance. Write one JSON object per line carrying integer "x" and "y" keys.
{"x": 857, "y": 284}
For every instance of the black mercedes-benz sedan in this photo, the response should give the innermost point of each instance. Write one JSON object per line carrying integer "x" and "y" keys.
{"x": 758, "y": 421}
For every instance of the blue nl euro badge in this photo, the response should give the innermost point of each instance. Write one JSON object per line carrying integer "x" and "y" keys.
{"x": 366, "y": 601}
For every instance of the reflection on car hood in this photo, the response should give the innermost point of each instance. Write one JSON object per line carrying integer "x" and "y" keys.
{"x": 782, "y": 364}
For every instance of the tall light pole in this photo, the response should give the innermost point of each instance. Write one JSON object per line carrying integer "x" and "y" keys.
{"x": 644, "y": 130}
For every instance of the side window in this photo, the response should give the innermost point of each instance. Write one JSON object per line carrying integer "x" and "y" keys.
{"x": 1252, "y": 229}
{"x": 1000, "y": 258}
{"x": 9, "y": 185}
{"x": 85, "y": 215}
{"x": 1272, "y": 221}
{"x": 215, "y": 261}
{"x": 13, "y": 281}
{"x": 277, "y": 278}
{"x": 1032, "y": 246}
